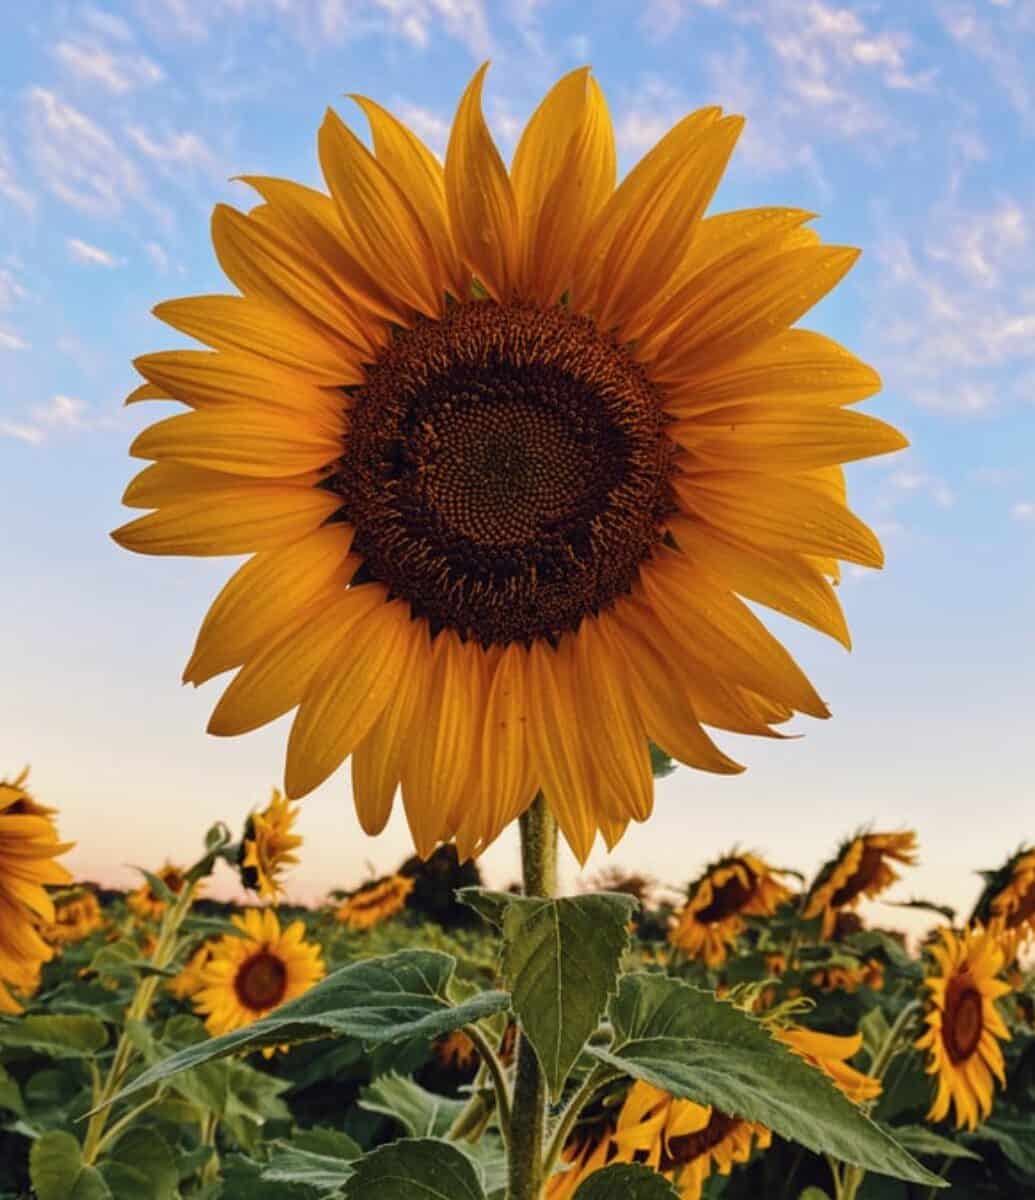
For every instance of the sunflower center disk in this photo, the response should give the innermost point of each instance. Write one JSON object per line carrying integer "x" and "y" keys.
{"x": 261, "y": 982}
{"x": 506, "y": 471}
{"x": 963, "y": 1021}
{"x": 729, "y": 898}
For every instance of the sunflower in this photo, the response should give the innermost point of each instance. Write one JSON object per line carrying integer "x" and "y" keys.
{"x": 510, "y": 451}
{"x": 75, "y": 918}
{"x": 191, "y": 978}
{"x": 964, "y": 1028}
{"x": 456, "y": 1051}
{"x": 1012, "y": 909}
{"x": 28, "y": 846}
{"x": 737, "y": 886}
{"x": 830, "y": 1053}
{"x": 590, "y": 1148}
{"x": 837, "y": 977}
{"x": 375, "y": 902}
{"x": 268, "y": 847}
{"x": 862, "y": 868}
{"x": 146, "y": 904}
{"x": 249, "y": 976}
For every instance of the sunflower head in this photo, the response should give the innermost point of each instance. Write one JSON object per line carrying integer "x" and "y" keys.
{"x": 248, "y": 976}
{"x": 76, "y": 917}
{"x": 191, "y": 978}
{"x": 268, "y": 847}
{"x": 964, "y": 1027}
{"x": 830, "y": 1053}
{"x": 861, "y": 869}
{"x": 737, "y": 886}
{"x": 1007, "y": 903}
{"x": 510, "y": 449}
{"x": 148, "y": 905}
{"x": 455, "y": 1051}
{"x": 374, "y": 902}
{"x": 29, "y": 847}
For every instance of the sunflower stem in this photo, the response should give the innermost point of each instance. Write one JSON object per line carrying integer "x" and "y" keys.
{"x": 528, "y": 1115}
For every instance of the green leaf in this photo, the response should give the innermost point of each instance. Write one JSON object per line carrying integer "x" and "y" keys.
{"x": 377, "y": 1000}
{"x": 560, "y": 960}
{"x": 661, "y": 763}
{"x": 142, "y": 1167}
{"x": 918, "y": 1139}
{"x": 874, "y": 1028}
{"x": 56, "y": 1036}
{"x": 813, "y": 1193}
{"x": 10, "y": 1093}
{"x": 626, "y": 1181}
{"x": 1014, "y": 1138}
{"x": 694, "y": 1046}
{"x": 420, "y": 1112}
{"x": 411, "y": 1168}
{"x": 318, "y": 1158}
{"x": 491, "y": 906}
{"x": 57, "y": 1170}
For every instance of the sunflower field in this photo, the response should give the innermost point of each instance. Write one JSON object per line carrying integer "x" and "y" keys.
{"x": 166, "y": 1045}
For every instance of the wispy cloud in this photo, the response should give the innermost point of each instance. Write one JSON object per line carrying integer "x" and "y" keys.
{"x": 995, "y": 36}
{"x": 12, "y": 290}
{"x": 117, "y": 72}
{"x": 93, "y": 256}
{"x": 158, "y": 255}
{"x": 60, "y": 413}
{"x": 11, "y": 341}
{"x": 431, "y": 127}
{"x": 10, "y": 188}
{"x": 30, "y": 434}
{"x": 1023, "y": 510}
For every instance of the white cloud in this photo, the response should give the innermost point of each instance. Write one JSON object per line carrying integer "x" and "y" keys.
{"x": 431, "y": 127}
{"x": 1023, "y": 510}
{"x": 93, "y": 256}
{"x": 176, "y": 149}
{"x": 29, "y": 434}
{"x": 10, "y": 188}
{"x": 11, "y": 290}
{"x": 61, "y": 412}
{"x": 11, "y": 341}
{"x": 77, "y": 159}
{"x": 996, "y": 40}
{"x": 923, "y": 483}
{"x": 158, "y": 256}
{"x": 108, "y": 24}
{"x": 90, "y": 60}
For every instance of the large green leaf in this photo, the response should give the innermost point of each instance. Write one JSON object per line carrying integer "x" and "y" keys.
{"x": 492, "y": 906}
{"x": 420, "y": 1112}
{"x": 57, "y": 1036}
{"x": 412, "y": 1168}
{"x": 560, "y": 960}
{"x": 626, "y": 1181}
{"x": 692, "y": 1045}
{"x": 146, "y": 1157}
{"x": 10, "y": 1093}
{"x": 317, "y": 1158}
{"x": 377, "y": 1000}
{"x": 57, "y": 1170}
{"x": 918, "y": 1139}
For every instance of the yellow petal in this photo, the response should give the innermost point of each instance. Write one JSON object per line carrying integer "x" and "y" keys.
{"x": 168, "y": 482}
{"x": 239, "y": 519}
{"x": 275, "y": 679}
{"x": 346, "y": 696}
{"x": 260, "y": 328}
{"x": 377, "y": 760}
{"x": 482, "y": 210}
{"x": 505, "y": 749}
{"x": 268, "y": 592}
{"x": 382, "y": 228}
{"x": 239, "y": 440}
{"x": 470, "y": 812}
{"x": 146, "y": 391}
{"x": 792, "y": 513}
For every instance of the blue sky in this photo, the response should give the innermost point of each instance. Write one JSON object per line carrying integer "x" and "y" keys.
{"x": 908, "y": 127}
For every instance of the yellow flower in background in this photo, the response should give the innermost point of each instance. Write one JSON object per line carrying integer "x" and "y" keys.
{"x": 192, "y": 978}
{"x": 148, "y": 906}
{"x": 248, "y": 977}
{"x": 375, "y": 902}
{"x": 830, "y": 1053}
{"x": 510, "y": 450}
{"x": 588, "y": 1150}
{"x": 738, "y": 886}
{"x": 861, "y": 869}
{"x": 456, "y": 1051}
{"x": 1013, "y": 908}
{"x": 268, "y": 847}
{"x": 75, "y": 918}
{"x": 964, "y": 1028}
{"x": 28, "y": 846}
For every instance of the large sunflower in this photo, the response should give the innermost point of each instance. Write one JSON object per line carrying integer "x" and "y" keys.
{"x": 28, "y": 846}
{"x": 268, "y": 847}
{"x": 964, "y": 1028}
{"x": 862, "y": 868}
{"x": 735, "y": 887}
{"x": 510, "y": 451}
{"x": 375, "y": 902}
{"x": 247, "y": 977}
{"x": 149, "y": 905}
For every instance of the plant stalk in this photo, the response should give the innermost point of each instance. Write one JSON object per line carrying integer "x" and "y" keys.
{"x": 528, "y": 1114}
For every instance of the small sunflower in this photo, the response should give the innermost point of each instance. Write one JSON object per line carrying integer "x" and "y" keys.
{"x": 738, "y": 886}
{"x": 830, "y": 1053}
{"x": 510, "y": 450}
{"x": 28, "y": 846}
{"x": 456, "y": 1051}
{"x": 249, "y": 976}
{"x": 1012, "y": 908}
{"x": 75, "y": 918}
{"x": 150, "y": 907}
{"x": 837, "y": 977}
{"x": 862, "y": 868}
{"x": 191, "y": 978}
{"x": 375, "y": 902}
{"x": 268, "y": 847}
{"x": 964, "y": 1028}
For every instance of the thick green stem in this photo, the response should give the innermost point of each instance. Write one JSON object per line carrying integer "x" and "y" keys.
{"x": 528, "y": 1114}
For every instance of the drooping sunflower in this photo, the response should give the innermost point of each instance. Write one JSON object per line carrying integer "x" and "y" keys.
{"x": 510, "y": 450}
{"x": 1012, "y": 906}
{"x": 75, "y": 918}
{"x": 830, "y": 1053}
{"x": 861, "y": 868}
{"x": 456, "y": 1051}
{"x": 268, "y": 847}
{"x": 148, "y": 905}
{"x": 727, "y": 891}
{"x": 191, "y": 978}
{"x": 28, "y": 847}
{"x": 963, "y": 1027}
{"x": 590, "y": 1148}
{"x": 249, "y": 976}
{"x": 374, "y": 902}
